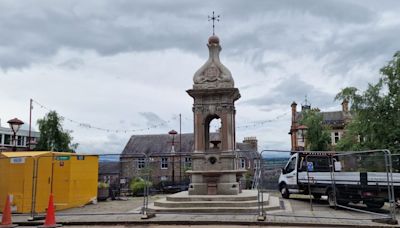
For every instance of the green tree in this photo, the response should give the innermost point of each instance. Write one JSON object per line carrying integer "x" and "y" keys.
{"x": 317, "y": 135}
{"x": 376, "y": 112}
{"x": 52, "y": 135}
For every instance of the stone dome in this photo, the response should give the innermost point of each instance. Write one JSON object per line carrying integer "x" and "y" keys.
{"x": 213, "y": 39}
{"x": 213, "y": 74}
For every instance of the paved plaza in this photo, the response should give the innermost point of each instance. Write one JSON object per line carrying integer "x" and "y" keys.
{"x": 297, "y": 212}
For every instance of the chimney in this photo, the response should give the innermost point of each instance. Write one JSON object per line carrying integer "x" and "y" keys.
{"x": 294, "y": 110}
{"x": 252, "y": 141}
{"x": 345, "y": 105}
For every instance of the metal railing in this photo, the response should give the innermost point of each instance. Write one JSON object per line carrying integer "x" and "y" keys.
{"x": 266, "y": 167}
{"x": 311, "y": 180}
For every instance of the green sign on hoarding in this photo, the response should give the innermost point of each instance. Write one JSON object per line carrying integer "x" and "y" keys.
{"x": 62, "y": 158}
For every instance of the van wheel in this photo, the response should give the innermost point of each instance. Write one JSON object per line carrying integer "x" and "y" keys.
{"x": 375, "y": 204}
{"x": 316, "y": 196}
{"x": 284, "y": 191}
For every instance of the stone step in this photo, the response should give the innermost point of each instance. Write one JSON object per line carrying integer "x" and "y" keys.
{"x": 210, "y": 210}
{"x": 236, "y": 204}
{"x": 210, "y": 198}
{"x": 190, "y": 204}
{"x": 246, "y": 195}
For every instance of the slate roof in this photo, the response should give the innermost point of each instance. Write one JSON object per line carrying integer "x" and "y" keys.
{"x": 161, "y": 143}
{"x": 109, "y": 167}
{"x": 246, "y": 150}
{"x": 335, "y": 118}
{"x": 21, "y": 132}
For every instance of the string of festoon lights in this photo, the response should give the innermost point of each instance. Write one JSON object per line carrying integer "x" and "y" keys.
{"x": 94, "y": 127}
{"x": 260, "y": 123}
{"x": 253, "y": 124}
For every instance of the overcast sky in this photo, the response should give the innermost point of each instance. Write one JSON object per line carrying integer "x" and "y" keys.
{"x": 126, "y": 65}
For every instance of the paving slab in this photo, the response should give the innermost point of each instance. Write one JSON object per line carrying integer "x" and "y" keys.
{"x": 295, "y": 214}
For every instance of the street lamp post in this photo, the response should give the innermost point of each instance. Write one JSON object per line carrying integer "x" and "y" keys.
{"x": 15, "y": 124}
{"x": 173, "y": 133}
{"x": 146, "y": 189}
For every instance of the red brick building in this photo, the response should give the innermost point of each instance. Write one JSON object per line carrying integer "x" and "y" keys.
{"x": 336, "y": 120}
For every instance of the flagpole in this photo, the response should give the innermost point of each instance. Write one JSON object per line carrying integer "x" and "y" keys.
{"x": 30, "y": 123}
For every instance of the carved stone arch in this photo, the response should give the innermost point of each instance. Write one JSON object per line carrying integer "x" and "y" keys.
{"x": 207, "y": 121}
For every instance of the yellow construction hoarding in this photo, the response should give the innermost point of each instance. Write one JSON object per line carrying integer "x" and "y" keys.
{"x": 30, "y": 177}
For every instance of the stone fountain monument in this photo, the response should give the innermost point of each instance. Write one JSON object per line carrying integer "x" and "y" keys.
{"x": 215, "y": 173}
{"x": 214, "y": 170}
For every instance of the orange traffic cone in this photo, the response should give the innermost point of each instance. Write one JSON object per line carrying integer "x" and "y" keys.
{"x": 50, "y": 215}
{"x": 6, "y": 218}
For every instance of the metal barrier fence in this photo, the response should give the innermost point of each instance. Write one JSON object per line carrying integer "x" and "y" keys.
{"x": 30, "y": 178}
{"x": 355, "y": 181}
{"x": 77, "y": 180}
{"x": 361, "y": 182}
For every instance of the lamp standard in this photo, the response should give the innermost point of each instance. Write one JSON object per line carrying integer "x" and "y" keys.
{"x": 173, "y": 133}
{"x": 146, "y": 189}
{"x": 15, "y": 124}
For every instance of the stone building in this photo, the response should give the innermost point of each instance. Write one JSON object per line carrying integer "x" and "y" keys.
{"x": 336, "y": 120}
{"x": 169, "y": 166}
{"x": 109, "y": 172}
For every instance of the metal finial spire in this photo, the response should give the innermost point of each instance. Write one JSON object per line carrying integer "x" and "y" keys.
{"x": 213, "y": 18}
{"x": 307, "y": 104}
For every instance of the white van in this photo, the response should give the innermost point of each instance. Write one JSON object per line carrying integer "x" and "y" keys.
{"x": 306, "y": 172}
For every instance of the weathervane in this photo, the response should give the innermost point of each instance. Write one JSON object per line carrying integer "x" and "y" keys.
{"x": 213, "y": 18}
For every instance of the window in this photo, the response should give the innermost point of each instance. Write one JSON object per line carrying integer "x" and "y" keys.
{"x": 301, "y": 135}
{"x": 140, "y": 163}
{"x": 20, "y": 140}
{"x": 7, "y": 139}
{"x": 164, "y": 163}
{"x": 1, "y": 139}
{"x": 319, "y": 164}
{"x": 291, "y": 166}
{"x": 242, "y": 163}
{"x": 336, "y": 137}
{"x": 188, "y": 162}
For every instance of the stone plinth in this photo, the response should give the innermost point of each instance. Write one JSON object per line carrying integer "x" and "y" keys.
{"x": 245, "y": 202}
{"x": 223, "y": 182}
{"x": 214, "y": 173}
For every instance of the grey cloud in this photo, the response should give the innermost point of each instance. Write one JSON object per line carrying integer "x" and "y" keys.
{"x": 113, "y": 144}
{"x": 37, "y": 31}
{"x": 73, "y": 63}
{"x": 292, "y": 89}
{"x": 152, "y": 119}
{"x": 373, "y": 43}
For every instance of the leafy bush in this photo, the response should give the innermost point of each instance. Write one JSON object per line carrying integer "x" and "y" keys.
{"x": 102, "y": 185}
{"x": 137, "y": 185}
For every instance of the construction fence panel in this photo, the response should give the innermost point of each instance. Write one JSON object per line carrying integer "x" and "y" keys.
{"x": 271, "y": 165}
{"x": 366, "y": 181}
{"x": 29, "y": 178}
